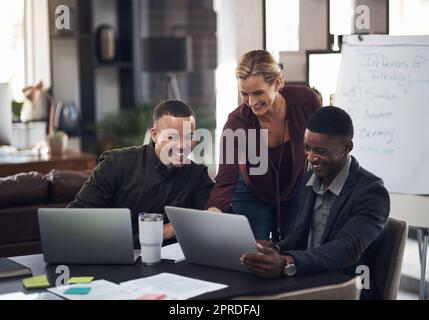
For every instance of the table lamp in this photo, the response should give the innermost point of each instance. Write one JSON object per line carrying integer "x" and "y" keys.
{"x": 166, "y": 55}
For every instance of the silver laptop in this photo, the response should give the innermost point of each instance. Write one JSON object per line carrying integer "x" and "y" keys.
{"x": 87, "y": 236}
{"x": 212, "y": 239}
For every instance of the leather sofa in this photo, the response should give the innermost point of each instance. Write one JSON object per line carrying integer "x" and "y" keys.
{"x": 20, "y": 197}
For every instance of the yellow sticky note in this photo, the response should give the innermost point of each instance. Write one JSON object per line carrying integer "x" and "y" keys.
{"x": 74, "y": 280}
{"x": 39, "y": 282}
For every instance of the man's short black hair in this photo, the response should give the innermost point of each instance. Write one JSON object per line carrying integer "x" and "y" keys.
{"x": 174, "y": 108}
{"x": 332, "y": 121}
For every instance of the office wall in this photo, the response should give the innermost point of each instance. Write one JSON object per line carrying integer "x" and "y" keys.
{"x": 313, "y": 35}
{"x": 249, "y": 26}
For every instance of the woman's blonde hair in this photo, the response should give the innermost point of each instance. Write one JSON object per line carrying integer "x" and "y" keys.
{"x": 258, "y": 62}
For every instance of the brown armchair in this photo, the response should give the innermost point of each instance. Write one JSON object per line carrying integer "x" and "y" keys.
{"x": 20, "y": 197}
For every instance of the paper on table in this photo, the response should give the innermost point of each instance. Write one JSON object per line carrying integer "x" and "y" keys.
{"x": 19, "y": 296}
{"x": 174, "y": 286}
{"x": 100, "y": 290}
{"x": 172, "y": 252}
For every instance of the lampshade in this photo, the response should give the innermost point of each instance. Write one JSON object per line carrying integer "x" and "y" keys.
{"x": 166, "y": 54}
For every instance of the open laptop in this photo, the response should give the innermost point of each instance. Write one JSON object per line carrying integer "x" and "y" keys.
{"x": 212, "y": 239}
{"x": 87, "y": 236}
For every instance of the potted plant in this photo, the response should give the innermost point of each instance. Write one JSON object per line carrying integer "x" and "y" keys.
{"x": 16, "y": 110}
{"x": 57, "y": 140}
{"x": 127, "y": 127}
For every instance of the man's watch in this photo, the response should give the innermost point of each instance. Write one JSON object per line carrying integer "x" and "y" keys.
{"x": 289, "y": 269}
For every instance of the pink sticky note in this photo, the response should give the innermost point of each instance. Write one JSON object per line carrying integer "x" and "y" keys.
{"x": 152, "y": 296}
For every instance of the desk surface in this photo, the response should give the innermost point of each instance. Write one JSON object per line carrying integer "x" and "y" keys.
{"x": 28, "y": 157}
{"x": 239, "y": 283}
{"x": 69, "y": 160}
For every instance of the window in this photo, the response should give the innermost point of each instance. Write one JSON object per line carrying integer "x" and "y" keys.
{"x": 340, "y": 17}
{"x": 12, "y": 66}
{"x": 408, "y": 17}
{"x": 324, "y": 69}
{"x": 282, "y": 25}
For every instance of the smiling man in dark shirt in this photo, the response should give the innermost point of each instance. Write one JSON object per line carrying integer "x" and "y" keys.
{"x": 147, "y": 178}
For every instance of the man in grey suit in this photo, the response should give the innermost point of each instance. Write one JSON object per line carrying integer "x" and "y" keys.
{"x": 343, "y": 209}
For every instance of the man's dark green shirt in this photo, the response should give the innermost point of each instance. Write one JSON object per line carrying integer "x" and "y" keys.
{"x": 136, "y": 179}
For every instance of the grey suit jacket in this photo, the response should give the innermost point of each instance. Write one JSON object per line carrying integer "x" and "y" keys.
{"x": 353, "y": 231}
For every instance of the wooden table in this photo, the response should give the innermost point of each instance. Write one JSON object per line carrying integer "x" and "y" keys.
{"x": 69, "y": 160}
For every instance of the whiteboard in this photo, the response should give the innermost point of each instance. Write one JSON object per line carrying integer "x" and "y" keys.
{"x": 411, "y": 208}
{"x": 384, "y": 85}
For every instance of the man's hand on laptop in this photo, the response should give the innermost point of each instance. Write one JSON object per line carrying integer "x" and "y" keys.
{"x": 266, "y": 243}
{"x": 168, "y": 231}
{"x": 213, "y": 209}
{"x": 266, "y": 263}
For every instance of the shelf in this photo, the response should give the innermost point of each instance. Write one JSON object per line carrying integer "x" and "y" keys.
{"x": 63, "y": 36}
{"x": 70, "y": 36}
{"x": 114, "y": 64}
{"x": 94, "y": 76}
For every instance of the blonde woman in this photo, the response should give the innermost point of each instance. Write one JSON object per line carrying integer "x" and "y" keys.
{"x": 270, "y": 200}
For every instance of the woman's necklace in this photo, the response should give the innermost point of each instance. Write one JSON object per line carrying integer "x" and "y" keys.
{"x": 267, "y": 123}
